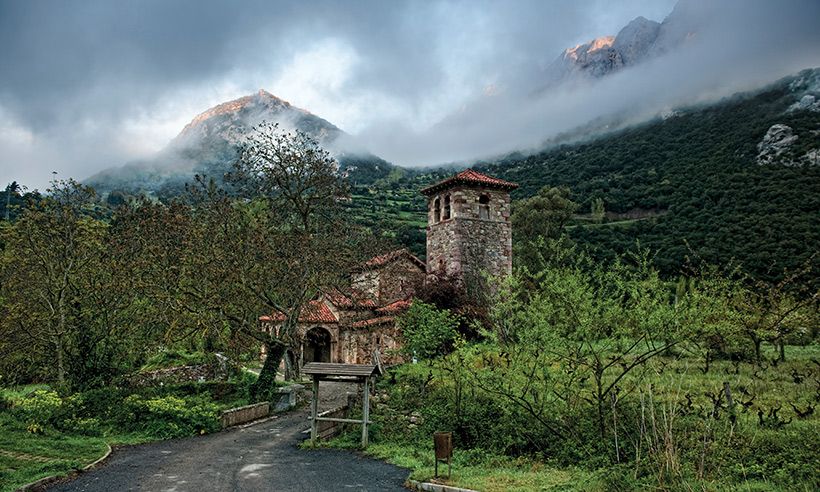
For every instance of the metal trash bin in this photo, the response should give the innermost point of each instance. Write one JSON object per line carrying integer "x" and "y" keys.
{"x": 443, "y": 442}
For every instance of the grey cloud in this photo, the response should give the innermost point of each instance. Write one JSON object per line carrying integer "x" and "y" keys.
{"x": 74, "y": 74}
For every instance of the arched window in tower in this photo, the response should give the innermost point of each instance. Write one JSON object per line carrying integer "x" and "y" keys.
{"x": 436, "y": 210}
{"x": 484, "y": 207}
{"x": 446, "y": 207}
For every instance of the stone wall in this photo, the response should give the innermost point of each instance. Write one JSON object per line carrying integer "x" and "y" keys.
{"x": 399, "y": 279}
{"x": 174, "y": 375}
{"x": 333, "y": 429}
{"x": 358, "y": 344}
{"x": 477, "y": 237}
{"x": 248, "y": 413}
{"x": 287, "y": 399}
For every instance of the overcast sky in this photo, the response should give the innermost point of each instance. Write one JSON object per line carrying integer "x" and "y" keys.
{"x": 86, "y": 85}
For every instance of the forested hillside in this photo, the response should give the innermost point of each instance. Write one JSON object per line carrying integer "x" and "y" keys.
{"x": 689, "y": 184}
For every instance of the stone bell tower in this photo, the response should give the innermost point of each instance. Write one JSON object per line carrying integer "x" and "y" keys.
{"x": 468, "y": 226}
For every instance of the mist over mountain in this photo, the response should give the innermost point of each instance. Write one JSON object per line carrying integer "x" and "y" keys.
{"x": 735, "y": 182}
{"x": 208, "y": 146}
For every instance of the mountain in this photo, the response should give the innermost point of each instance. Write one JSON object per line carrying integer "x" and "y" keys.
{"x": 738, "y": 180}
{"x": 639, "y": 41}
{"x": 208, "y": 146}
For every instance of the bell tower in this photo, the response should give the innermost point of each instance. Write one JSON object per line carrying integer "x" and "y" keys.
{"x": 468, "y": 226}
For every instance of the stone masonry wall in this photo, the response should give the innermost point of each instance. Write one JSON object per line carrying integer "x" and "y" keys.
{"x": 399, "y": 280}
{"x": 357, "y": 345}
{"x": 471, "y": 241}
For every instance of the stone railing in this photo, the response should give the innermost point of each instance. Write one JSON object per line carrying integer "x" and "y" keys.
{"x": 248, "y": 413}
{"x": 287, "y": 399}
{"x": 332, "y": 429}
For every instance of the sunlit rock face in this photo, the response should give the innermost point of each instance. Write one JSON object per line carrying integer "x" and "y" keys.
{"x": 208, "y": 145}
{"x": 232, "y": 120}
{"x": 640, "y": 40}
{"x": 596, "y": 59}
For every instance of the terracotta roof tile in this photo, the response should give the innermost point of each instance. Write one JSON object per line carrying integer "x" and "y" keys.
{"x": 312, "y": 312}
{"x": 395, "y": 307}
{"x": 470, "y": 176}
{"x": 373, "y": 322}
{"x": 384, "y": 259}
{"x": 355, "y": 300}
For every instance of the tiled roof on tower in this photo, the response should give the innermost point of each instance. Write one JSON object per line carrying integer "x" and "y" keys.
{"x": 470, "y": 177}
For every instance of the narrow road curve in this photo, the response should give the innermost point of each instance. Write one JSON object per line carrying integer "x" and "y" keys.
{"x": 260, "y": 457}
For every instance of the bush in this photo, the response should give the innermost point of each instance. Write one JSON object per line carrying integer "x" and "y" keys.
{"x": 170, "y": 416}
{"x": 39, "y": 409}
{"x": 428, "y": 331}
{"x": 174, "y": 358}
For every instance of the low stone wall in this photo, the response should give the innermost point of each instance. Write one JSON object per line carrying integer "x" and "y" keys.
{"x": 287, "y": 397}
{"x": 333, "y": 429}
{"x": 172, "y": 375}
{"x": 248, "y": 413}
{"x": 242, "y": 415}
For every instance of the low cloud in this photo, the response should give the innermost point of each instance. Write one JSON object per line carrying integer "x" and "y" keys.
{"x": 96, "y": 84}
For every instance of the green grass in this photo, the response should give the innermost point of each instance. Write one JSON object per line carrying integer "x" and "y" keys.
{"x": 26, "y": 457}
{"x": 485, "y": 473}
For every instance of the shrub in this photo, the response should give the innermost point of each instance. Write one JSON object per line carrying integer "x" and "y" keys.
{"x": 170, "y": 416}
{"x": 428, "y": 331}
{"x": 38, "y": 409}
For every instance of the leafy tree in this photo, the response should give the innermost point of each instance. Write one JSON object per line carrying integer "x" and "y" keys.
{"x": 583, "y": 322}
{"x": 46, "y": 251}
{"x": 597, "y": 210}
{"x": 13, "y": 187}
{"x": 772, "y": 311}
{"x": 428, "y": 332}
{"x": 537, "y": 223}
{"x": 278, "y": 250}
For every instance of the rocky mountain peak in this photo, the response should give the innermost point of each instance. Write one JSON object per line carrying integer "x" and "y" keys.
{"x": 638, "y": 41}
{"x": 231, "y": 119}
{"x": 635, "y": 39}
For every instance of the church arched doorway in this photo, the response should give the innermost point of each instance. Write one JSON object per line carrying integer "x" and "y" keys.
{"x": 317, "y": 345}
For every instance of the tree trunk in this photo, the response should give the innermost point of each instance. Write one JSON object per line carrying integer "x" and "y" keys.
{"x": 60, "y": 364}
{"x": 757, "y": 343}
{"x": 261, "y": 389}
{"x": 599, "y": 387}
{"x": 781, "y": 347}
{"x": 58, "y": 342}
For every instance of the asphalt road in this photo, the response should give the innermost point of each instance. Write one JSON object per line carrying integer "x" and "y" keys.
{"x": 262, "y": 456}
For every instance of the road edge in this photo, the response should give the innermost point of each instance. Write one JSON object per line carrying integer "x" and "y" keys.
{"x": 41, "y": 483}
{"x": 434, "y": 487}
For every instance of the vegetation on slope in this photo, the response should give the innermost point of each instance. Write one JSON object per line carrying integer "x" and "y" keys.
{"x": 685, "y": 185}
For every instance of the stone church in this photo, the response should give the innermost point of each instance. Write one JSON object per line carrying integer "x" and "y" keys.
{"x": 468, "y": 232}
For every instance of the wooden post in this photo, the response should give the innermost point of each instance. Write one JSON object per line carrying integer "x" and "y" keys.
{"x": 365, "y": 410}
{"x": 314, "y": 411}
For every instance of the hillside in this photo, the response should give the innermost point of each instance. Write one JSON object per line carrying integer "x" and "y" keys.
{"x": 691, "y": 181}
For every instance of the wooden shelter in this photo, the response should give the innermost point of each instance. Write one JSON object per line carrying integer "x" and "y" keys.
{"x": 355, "y": 373}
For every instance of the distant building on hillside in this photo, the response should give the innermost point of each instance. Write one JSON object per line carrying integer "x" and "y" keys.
{"x": 468, "y": 232}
